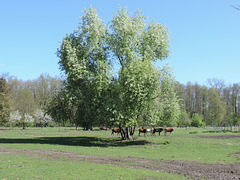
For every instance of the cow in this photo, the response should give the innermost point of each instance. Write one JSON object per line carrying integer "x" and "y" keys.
{"x": 170, "y": 130}
{"x": 142, "y": 131}
{"x": 103, "y": 128}
{"x": 116, "y": 131}
{"x": 149, "y": 131}
{"x": 159, "y": 130}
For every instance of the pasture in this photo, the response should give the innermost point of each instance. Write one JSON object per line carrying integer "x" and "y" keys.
{"x": 65, "y": 153}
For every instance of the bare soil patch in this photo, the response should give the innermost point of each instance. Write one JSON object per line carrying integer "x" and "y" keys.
{"x": 195, "y": 170}
{"x": 4, "y": 130}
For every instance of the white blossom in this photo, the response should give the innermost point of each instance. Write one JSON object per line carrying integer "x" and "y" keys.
{"x": 15, "y": 117}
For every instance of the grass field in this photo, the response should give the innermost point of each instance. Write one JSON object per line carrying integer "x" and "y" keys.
{"x": 65, "y": 153}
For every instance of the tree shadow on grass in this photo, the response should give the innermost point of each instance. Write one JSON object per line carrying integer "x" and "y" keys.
{"x": 75, "y": 141}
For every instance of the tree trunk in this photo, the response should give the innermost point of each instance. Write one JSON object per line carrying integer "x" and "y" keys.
{"x": 132, "y": 130}
{"x": 127, "y": 133}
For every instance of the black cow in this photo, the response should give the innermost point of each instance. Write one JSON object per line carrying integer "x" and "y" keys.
{"x": 159, "y": 130}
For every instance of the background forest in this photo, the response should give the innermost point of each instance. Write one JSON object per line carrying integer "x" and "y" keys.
{"x": 215, "y": 104}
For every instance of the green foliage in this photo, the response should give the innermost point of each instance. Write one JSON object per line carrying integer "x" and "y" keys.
{"x": 17, "y": 118}
{"x": 216, "y": 108}
{"x": 167, "y": 102}
{"x": 61, "y": 108}
{"x": 234, "y": 118}
{"x": 197, "y": 120}
{"x": 5, "y": 104}
{"x": 24, "y": 102}
{"x": 83, "y": 57}
{"x": 138, "y": 85}
{"x": 42, "y": 89}
{"x": 184, "y": 119}
{"x": 193, "y": 132}
{"x": 88, "y": 55}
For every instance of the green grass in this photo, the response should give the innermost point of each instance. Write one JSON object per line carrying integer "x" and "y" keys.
{"x": 180, "y": 145}
{"x": 20, "y": 167}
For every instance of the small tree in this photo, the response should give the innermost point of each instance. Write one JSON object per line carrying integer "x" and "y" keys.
{"x": 184, "y": 119}
{"x": 197, "y": 120}
{"x": 216, "y": 108}
{"x": 27, "y": 120}
{"x": 62, "y": 108}
{"x": 5, "y": 105}
{"x": 40, "y": 118}
{"x": 14, "y": 117}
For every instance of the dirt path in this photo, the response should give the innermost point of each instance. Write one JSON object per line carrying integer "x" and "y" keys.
{"x": 193, "y": 170}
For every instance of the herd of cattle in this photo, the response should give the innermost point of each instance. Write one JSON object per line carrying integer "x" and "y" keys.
{"x": 145, "y": 130}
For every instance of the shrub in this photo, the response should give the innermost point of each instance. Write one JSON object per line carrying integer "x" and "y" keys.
{"x": 193, "y": 132}
{"x": 197, "y": 120}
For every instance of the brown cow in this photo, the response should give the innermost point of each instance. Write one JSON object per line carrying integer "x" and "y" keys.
{"x": 170, "y": 130}
{"x": 142, "y": 131}
{"x": 116, "y": 131}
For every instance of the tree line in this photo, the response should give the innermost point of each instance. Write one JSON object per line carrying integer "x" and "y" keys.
{"x": 20, "y": 101}
{"x": 216, "y": 104}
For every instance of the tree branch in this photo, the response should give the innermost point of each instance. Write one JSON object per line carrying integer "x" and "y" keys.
{"x": 235, "y": 7}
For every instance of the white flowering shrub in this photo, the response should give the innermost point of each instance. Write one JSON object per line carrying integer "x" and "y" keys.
{"x": 15, "y": 117}
{"x": 28, "y": 118}
{"x": 41, "y": 118}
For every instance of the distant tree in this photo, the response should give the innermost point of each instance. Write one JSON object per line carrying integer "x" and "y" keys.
{"x": 16, "y": 117}
{"x": 61, "y": 108}
{"x": 218, "y": 85}
{"x": 41, "y": 118}
{"x": 24, "y": 102}
{"x": 189, "y": 98}
{"x": 204, "y": 103}
{"x": 44, "y": 88}
{"x": 216, "y": 108}
{"x": 197, "y": 120}
{"x": 184, "y": 120}
{"x": 5, "y": 101}
{"x": 235, "y": 98}
{"x": 27, "y": 119}
{"x": 197, "y": 98}
{"x": 180, "y": 93}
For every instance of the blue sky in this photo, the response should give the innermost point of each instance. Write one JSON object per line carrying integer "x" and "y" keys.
{"x": 205, "y": 34}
